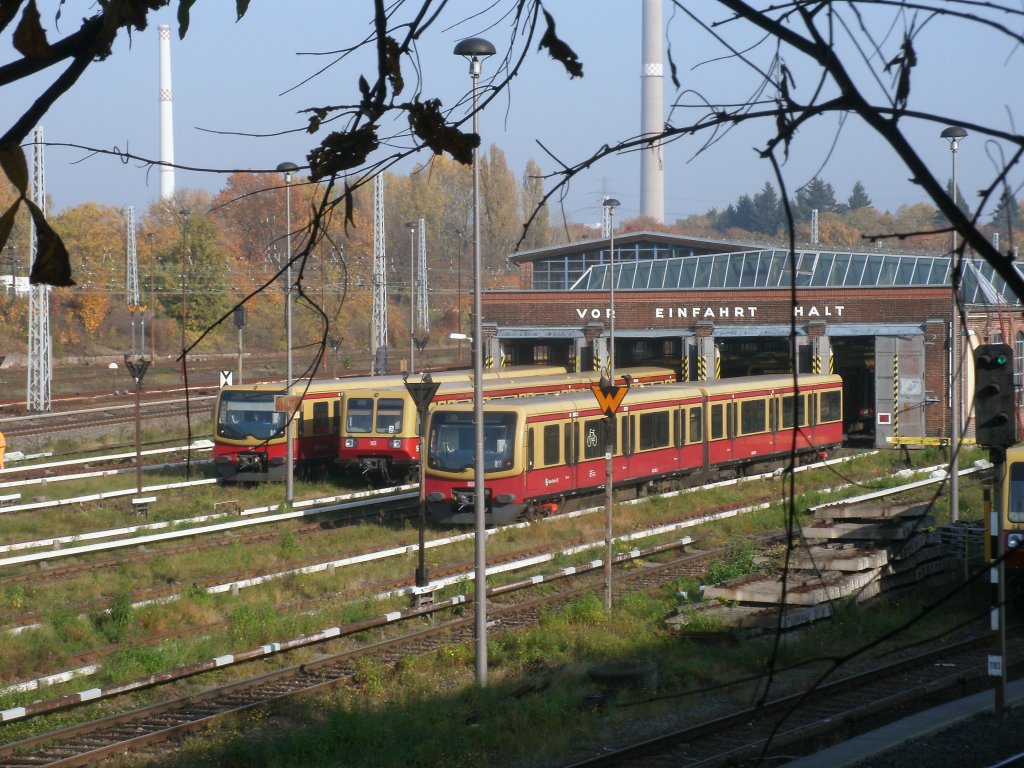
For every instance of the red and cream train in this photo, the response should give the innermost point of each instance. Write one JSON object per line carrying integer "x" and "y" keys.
{"x": 367, "y": 423}
{"x": 540, "y": 451}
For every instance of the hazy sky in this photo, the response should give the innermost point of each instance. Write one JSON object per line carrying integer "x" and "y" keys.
{"x": 248, "y": 78}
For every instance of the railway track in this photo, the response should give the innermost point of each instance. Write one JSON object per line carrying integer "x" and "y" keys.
{"x": 400, "y": 651}
{"x": 824, "y": 712}
{"x": 141, "y": 728}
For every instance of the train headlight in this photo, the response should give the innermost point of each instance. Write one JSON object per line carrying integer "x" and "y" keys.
{"x": 504, "y": 498}
{"x": 1014, "y": 540}
{"x": 350, "y": 442}
{"x": 277, "y": 461}
{"x": 435, "y": 496}
{"x": 224, "y": 458}
{"x": 395, "y": 442}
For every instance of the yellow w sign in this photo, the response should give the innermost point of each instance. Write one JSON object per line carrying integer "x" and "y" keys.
{"x": 609, "y": 397}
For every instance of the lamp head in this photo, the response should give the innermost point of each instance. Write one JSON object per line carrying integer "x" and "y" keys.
{"x": 954, "y": 133}
{"x": 287, "y": 168}
{"x": 611, "y": 202}
{"x": 474, "y": 47}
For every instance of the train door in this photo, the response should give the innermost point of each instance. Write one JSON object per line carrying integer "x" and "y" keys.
{"x": 721, "y": 431}
{"x": 899, "y": 388}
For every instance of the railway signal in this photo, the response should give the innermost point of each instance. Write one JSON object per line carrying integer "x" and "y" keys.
{"x": 609, "y": 396}
{"x": 422, "y": 393}
{"x": 994, "y": 413}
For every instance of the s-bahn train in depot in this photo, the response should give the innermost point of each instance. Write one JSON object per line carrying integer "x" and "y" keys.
{"x": 540, "y": 452}
{"x": 380, "y": 429}
{"x": 378, "y": 432}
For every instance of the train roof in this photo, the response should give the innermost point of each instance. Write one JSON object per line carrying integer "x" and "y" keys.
{"x": 641, "y": 373}
{"x": 586, "y": 401}
{"x": 395, "y": 380}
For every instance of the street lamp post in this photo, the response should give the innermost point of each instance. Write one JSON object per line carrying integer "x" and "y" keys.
{"x": 610, "y": 204}
{"x": 288, "y": 169}
{"x": 412, "y": 295}
{"x": 954, "y": 134}
{"x": 475, "y": 48}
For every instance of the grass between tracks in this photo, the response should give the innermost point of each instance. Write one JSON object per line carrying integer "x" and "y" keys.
{"x": 426, "y": 712}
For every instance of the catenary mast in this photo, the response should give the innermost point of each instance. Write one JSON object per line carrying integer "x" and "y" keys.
{"x": 379, "y": 319}
{"x": 40, "y": 354}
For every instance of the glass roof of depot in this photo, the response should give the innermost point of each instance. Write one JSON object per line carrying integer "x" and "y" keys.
{"x": 814, "y": 269}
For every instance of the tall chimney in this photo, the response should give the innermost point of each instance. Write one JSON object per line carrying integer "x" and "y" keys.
{"x": 652, "y": 110}
{"x": 166, "y": 116}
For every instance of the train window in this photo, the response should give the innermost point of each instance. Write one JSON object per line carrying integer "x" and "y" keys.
{"x": 1015, "y": 492}
{"x": 773, "y": 415}
{"x": 831, "y": 406}
{"x": 786, "y": 408}
{"x": 696, "y": 425}
{"x": 787, "y": 411}
{"x": 594, "y": 431}
{"x": 571, "y": 443}
{"x": 680, "y": 427}
{"x": 499, "y": 434}
{"x": 717, "y": 421}
{"x": 529, "y": 449}
{"x": 654, "y": 431}
{"x": 551, "y": 440}
{"x": 451, "y": 441}
{"x": 321, "y": 418}
{"x": 730, "y": 411}
{"x": 359, "y": 417}
{"x": 389, "y": 415}
{"x": 752, "y": 416}
{"x": 813, "y": 408}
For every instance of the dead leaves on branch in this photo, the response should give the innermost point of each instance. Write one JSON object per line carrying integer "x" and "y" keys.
{"x": 52, "y": 266}
{"x": 559, "y": 50}
{"x": 29, "y": 36}
{"x": 342, "y": 151}
{"x": 431, "y": 127}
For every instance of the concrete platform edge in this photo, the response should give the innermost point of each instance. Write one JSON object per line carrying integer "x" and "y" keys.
{"x": 914, "y": 727}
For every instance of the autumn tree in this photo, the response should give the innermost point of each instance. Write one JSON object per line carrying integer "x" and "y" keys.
{"x": 500, "y": 223}
{"x": 533, "y": 206}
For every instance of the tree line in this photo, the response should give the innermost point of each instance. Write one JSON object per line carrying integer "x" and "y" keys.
{"x": 200, "y": 255}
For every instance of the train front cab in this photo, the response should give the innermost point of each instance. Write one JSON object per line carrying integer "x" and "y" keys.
{"x": 1012, "y": 509}
{"x": 249, "y": 443}
{"x": 379, "y": 434}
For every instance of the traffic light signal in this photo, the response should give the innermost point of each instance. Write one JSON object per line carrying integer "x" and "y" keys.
{"x": 995, "y": 417}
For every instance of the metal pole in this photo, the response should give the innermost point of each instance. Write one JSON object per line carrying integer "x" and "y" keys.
{"x": 287, "y": 169}
{"x": 610, "y": 204}
{"x": 608, "y": 500}
{"x": 478, "y": 412}
{"x": 998, "y": 458}
{"x": 474, "y": 48}
{"x": 138, "y": 442}
{"x": 954, "y": 134}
